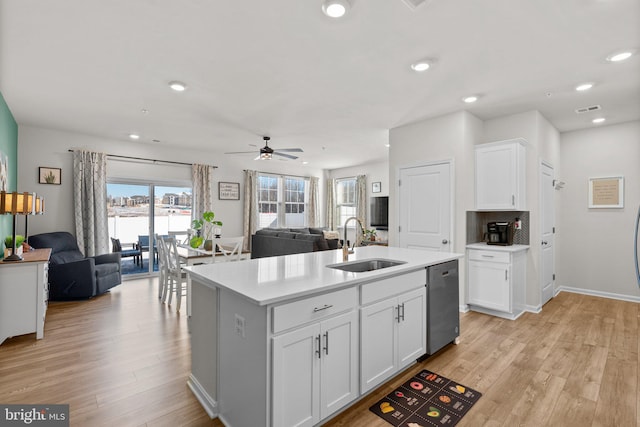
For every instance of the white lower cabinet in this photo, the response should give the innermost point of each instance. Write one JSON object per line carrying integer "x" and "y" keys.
{"x": 315, "y": 370}
{"x": 496, "y": 280}
{"x": 393, "y": 335}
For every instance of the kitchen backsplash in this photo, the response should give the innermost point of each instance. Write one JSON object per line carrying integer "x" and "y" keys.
{"x": 477, "y": 225}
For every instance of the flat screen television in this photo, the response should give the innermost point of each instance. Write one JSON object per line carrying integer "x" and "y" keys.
{"x": 380, "y": 212}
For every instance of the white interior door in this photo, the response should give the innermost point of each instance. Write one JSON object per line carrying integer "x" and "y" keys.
{"x": 425, "y": 207}
{"x": 547, "y": 228}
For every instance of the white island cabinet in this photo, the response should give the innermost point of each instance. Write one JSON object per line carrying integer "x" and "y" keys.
{"x": 277, "y": 341}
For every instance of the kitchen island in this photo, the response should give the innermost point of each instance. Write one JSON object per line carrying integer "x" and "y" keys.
{"x": 288, "y": 340}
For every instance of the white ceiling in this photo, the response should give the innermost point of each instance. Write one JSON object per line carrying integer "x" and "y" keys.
{"x": 282, "y": 68}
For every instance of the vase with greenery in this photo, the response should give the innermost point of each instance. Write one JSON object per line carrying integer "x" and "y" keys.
{"x": 205, "y": 226}
{"x": 8, "y": 244}
{"x": 370, "y": 235}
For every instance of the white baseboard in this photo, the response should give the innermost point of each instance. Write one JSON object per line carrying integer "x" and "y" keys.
{"x": 207, "y": 402}
{"x": 463, "y": 308}
{"x": 597, "y": 294}
{"x": 536, "y": 309}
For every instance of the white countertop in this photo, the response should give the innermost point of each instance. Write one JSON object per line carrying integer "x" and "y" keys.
{"x": 275, "y": 279}
{"x": 498, "y": 248}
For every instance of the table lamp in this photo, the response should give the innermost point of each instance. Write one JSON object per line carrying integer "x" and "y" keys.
{"x": 39, "y": 210}
{"x": 15, "y": 203}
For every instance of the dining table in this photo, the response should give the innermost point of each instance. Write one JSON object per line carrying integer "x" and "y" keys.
{"x": 195, "y": 256}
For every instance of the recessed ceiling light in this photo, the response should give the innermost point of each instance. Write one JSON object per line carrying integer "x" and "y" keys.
{"x": 470, "y": 99}
{"x": 144, "y": 111}
{"x": 598, "y": 120}
{"x": 134, "y": 136}
{"x": 422, "y": 65}
{"x": 387, "y": 145}
{"x": 177, "y": 86}
{"x": 619, "y": 56}
{"x": 336, "y": 8}
{"x": 305, "y": 163}
{"x": 584, "y": 86}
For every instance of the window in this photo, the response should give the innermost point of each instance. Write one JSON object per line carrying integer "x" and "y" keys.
{"x": 345, "y": 199}
{"x": 282, "y": 201}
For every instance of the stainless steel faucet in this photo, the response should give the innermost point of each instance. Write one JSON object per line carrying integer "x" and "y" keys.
{"x": 345, "y": 248}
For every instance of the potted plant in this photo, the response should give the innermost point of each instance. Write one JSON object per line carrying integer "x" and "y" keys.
{"x": 370, "y": 235}
{"x": 8, "y": 244}
{"x": 204, "y": 230}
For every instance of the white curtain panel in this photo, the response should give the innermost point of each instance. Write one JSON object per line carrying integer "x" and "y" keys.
{"x": 312, "y": 211}
{"x": 201, "y": 176}
{"x": 90, "y": 202}
{"x": 361, "y": 203}
{"x": 331, "y": 213}
{"x": 250, "y": 214}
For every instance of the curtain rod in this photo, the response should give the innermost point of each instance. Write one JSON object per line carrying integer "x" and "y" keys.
{"x": 281, "y": 174}
{"x": 147, "y": 160}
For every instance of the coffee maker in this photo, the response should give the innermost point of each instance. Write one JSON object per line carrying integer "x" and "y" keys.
{"x": 500, "y": 233}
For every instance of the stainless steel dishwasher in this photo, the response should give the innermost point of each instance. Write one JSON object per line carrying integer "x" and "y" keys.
{"x": 443, "y": 316}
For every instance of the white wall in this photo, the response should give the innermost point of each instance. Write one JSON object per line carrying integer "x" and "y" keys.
{"x": 450, "y": 137}
{"x": 596, "y": 255}
{"x": 46, "y": 147}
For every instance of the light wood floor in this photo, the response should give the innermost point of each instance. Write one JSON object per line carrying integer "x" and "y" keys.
{"x": 122, "y": 359}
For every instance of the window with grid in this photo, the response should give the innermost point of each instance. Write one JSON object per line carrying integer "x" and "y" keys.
{"x": 282, "y": 201}
{"x": 346, "y": 199}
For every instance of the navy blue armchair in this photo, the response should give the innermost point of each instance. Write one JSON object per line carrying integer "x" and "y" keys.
{"x": 71, "y": 274}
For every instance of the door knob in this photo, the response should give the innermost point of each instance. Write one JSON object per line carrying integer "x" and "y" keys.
{"x": 445, "y": 241}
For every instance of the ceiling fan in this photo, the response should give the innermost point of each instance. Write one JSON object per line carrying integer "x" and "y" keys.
{"x": 266, "y": 152}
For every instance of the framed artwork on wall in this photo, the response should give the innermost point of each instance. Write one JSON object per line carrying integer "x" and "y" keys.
{"x": 48, "y": 175}
{"x": 228, "y": 191}
{"x": 376, "y": 187}
{"x": 606, "y": 192}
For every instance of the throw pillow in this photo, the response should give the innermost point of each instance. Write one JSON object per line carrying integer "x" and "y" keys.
{"x": 331, "y": 234}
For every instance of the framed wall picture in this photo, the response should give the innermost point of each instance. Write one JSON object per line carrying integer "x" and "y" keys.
{"x": 4, "y": 172}
{"x": 376, "y": 187}
{"x": 49, "y": 175}
{"x": 228, "y": 191}
{"x": 606, "y": 192}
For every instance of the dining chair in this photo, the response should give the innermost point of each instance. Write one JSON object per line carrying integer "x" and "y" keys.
{"x": 177, "y": 278}
{"x": 163, "y": 268}
{"x": 230, "y": 247}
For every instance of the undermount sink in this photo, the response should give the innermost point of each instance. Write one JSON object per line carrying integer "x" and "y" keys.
{"x": 366, "y": 265}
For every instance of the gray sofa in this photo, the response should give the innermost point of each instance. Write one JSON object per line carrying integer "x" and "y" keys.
{"x": 286, "y": 241}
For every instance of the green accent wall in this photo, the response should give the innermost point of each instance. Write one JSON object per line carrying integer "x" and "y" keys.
{"x": 8, "y": 148}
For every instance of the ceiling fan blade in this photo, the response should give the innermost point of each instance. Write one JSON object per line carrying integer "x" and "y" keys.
{"x": 289, "y": 156}
{"x": 241, "y": 152}
{"x": 290, "y": 150}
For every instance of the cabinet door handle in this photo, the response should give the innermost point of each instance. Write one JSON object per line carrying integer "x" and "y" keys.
{"x": 398, "y": 313}
{"x": 318, "y": 352}
{"x": 505, "y": 275}
{"x": 402, "y": 305}
{"x": 487, "y": 256}
{"x": 326, "y": 343}
{"x": 316, "y": 309}
{"x": 513, "y": 200}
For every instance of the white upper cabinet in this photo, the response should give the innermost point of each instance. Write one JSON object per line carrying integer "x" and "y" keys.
{"x": 501, "y": 175}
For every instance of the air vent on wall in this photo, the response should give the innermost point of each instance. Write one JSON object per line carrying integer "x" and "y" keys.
{"x": 588, "y": 109}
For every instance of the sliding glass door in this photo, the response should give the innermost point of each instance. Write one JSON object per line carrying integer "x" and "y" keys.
{"x": 130, "y": 207}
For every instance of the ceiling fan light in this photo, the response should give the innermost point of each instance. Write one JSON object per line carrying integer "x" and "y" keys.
{"x": 620, "y": 56}
{"x": 336, "y": 8}
{"x": 266, "y": 156}
{"x": 178, "y": 86}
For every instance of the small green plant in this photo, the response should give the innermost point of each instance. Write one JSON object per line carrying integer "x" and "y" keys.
{"x": 8, "y": 241}
{"x": 370, "y": 234}
{"x": 199, "y": 224}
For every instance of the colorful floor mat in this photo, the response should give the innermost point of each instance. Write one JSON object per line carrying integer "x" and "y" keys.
{"x": 426, "y": 400}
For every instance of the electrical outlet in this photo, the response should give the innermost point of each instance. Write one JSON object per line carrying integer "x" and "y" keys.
{"x": 240, "y": 326}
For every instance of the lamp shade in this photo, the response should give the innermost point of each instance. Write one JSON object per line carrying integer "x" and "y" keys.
{"x": 17, "y": 203}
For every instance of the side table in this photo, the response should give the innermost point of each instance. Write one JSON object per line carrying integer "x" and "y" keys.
{"x": 24, "y": 292}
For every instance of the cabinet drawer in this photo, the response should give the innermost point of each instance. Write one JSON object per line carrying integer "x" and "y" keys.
{"x": 485, "y": 255}
{"x": 386, "y": 288}
{"x": 313, "y": 308}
